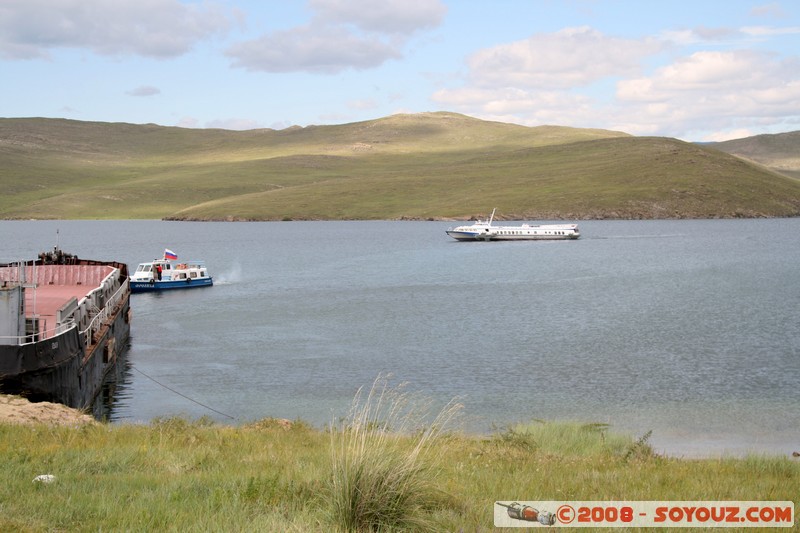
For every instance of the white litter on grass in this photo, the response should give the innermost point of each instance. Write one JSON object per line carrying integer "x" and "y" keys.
{"x": 44, "y": 478}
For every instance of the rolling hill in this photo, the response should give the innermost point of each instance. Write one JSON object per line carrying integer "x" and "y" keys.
{"x": 421, "y": 166}
{"x": 779, "y": 152}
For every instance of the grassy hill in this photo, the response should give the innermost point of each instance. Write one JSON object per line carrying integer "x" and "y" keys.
{"x": 429, "y": 165}
{"x": 779, "y": 152}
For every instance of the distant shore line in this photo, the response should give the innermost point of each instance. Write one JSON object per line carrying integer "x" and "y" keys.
{"x": 508, "y": 217}
{"x": 404, "y": 218}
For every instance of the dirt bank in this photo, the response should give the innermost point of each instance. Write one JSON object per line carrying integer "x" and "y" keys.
{"x": 17, "y": 410}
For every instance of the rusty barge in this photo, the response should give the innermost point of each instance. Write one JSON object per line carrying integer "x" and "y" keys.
{"x": 63, "y": 323}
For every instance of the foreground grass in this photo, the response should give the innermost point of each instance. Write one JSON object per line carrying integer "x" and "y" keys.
{"x": 180, "y": 475}
{"x": 385, "y": 462}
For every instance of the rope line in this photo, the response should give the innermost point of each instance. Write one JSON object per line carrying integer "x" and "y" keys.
{"x": 183, "y": 395}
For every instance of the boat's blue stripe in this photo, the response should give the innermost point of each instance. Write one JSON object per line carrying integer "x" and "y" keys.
{"x": 164, "y": 285}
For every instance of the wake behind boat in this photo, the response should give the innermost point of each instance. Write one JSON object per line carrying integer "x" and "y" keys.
{"x": 482, "y": 230}
{"x": 167, "y": 273}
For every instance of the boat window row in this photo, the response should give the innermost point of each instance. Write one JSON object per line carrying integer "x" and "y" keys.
{"x": 509, "y": 232}
{"x": 149, "y": 267}
{"x": 185, "y": 275}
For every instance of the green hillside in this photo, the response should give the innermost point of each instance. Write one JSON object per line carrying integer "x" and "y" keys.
{"x": 430, "y": 165}
{"x": 779, "y": 152}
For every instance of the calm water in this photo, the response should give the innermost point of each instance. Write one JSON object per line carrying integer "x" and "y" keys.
{"x": 687, "y": 328}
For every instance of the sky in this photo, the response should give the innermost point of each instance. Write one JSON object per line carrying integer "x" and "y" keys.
{"x": 701, "y": 70}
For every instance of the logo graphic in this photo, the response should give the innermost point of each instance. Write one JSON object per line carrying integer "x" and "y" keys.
{"x": 674, "y": 513}
{"x": 527, "y": 513}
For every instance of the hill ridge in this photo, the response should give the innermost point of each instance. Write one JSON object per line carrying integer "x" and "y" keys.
{"x": 433, "y": 165}
{"x": 777, "y": 151}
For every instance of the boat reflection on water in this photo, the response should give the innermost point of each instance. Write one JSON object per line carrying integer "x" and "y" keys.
{"x": 115, "y": 390}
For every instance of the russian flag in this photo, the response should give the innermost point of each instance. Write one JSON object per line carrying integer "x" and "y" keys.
{"x": 169, "y": 254}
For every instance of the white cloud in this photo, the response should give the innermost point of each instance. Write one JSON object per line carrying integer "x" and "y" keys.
{"x": 744, "y": 35}
{"x": 385, "y": 16}
{"x": 342, "y": 35}
{"x": 321, "y": 50}
{"x": 700, "y": 72}
{"x": 768, "y": 10}
{"x": 714, "y": 91}
{"x": 689, "y": 36}
{"x": 188, "y": 122}
{"x": 224, "y": 123}
{"x": 363, "y": 104}
{"x": 558, "y": 78}
{"x": 234, "y": 124}
{"x": 522, "y": 106}
{"x": 144, "y": 90}
{"x": 544, "y": 79}
{"x": 734, "y": 78}
{"x": 768, "y": 31}
{"x": 156, "y": 28}
{"x": 567, "y": 58}
{"x": 729, "y": 135}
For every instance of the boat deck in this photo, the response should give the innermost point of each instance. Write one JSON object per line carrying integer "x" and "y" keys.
{"x": 55, "y": 286}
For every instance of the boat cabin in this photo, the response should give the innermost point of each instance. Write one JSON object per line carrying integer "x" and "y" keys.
{"x": 169, "y": 271}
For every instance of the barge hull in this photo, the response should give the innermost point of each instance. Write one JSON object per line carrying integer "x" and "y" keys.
{"x": 69, "y": 367}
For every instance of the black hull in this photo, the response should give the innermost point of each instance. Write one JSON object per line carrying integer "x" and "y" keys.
{"x": 70, "y": 367}
{"x": 62, "y": 369}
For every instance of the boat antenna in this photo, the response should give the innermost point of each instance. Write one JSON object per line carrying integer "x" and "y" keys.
{"x": 492, "y": 217}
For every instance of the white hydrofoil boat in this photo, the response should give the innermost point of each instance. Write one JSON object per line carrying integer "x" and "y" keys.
{"x": 482, "y": 230}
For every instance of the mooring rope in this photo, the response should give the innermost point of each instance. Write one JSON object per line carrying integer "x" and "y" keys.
{"x": 183, "y": 395}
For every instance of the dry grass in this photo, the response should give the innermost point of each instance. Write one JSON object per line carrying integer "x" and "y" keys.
{"x": 179, "y": 475}
{"x": 385, "y": 462}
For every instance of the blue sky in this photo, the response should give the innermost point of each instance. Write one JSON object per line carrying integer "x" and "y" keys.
{"x": 697, "y": 70}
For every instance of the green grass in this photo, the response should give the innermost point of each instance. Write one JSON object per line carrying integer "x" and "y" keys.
{"x": 778, "y": 152}
{"x": 430, "y": 165}
{"x": 180, "y": 475}
{"x": 385, "y": 460}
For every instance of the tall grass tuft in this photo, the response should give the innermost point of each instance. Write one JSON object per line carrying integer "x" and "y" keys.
{"x": 384, "y": 462}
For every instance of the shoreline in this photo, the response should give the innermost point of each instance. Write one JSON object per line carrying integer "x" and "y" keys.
{"x": 18, "y": 410}
{"x": 587, "y": 217}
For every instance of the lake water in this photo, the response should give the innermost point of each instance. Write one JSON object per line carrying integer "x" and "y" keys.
{"x": 687, "y": 328}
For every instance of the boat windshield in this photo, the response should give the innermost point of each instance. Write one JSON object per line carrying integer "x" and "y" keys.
{"x": 146, "y": 267}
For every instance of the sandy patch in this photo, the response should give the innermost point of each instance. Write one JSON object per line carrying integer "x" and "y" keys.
{"x": 17, "y": 410}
